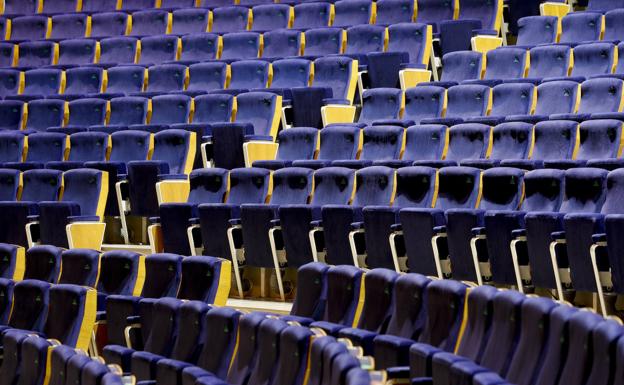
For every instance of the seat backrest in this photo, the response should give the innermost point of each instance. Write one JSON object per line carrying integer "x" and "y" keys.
{"x": 379, "y": 288}
{"x": 261, "y": 109}
{"x": 248, "y": 185}
{"x": 424, "y": 102}
{"x": 416, "y": 187}
{"x": 7, "y": 54}
{"x": 581, "y": 327}
{"x": 240, "y": 45}
{"x": 20, "y": 7}
{"x": 333, "y": 185}
{"x": 121, "y": 272}
{"x": 469, "y": 141}
{"x": 550, "y": 61}
{"x": 12, "y": 114}
{"x": 159, "y": 49}
{"x": 11, "y": 145}
{"x": 109, "y": 24}
{"x": 282, "y": 43}
{"x": 249, "y": 74}
{"x": 339, "y": 142}
{"x": 364, "y": 39}
{"x": 395, "y": 11}
{"x": 537, "y": 316}
{"x": 43, "y": 263}
{"x": 294, "y": 347}
{"x": 431, "y": 11}
{"x": 200, "y": 47}
{"x": 87, "y": 112}
{"x": 585, "y": 190}
{"x": 43, "y": 82}
{"x": 381, "y": 103}
{"x": 426, "y": 142}
{"x": 46, "y": 147}
{"x": 579, "y": 27}
{"x": 162, "y": 275}
{"x": 407, "y": 320}
{"x": 88, "y": 188}
{"x": 345, "y": 283}
{"x": 604, "y": 5}
{"x": 297, "y": 143}
{"x": 221, "y": 332}
{"x": 513, "y": 99}
{"x": 71, "y": 315}
{"x": 130, "y": 145}
{"x": 536, "y": 30}
{"x": 133, "y": 5}
{"x": 312, "y": 15}
{"x": 230, "y": 19}
{"x": 151, "y": 22}
{"x": 458, "y": 187}
{"x": 163, "y": 318}
{"x": 478, "y": 321}
{"x": 337, "y": 73}
{"x": 69, "y": 26}
{"x": 166, "y": 78}
{"x": 613, "y": 28}
{"x": 506, "y": 63}
{"x": 558, "y": 97}
{"x": 599, "y": 139}
{"x": 83, "y": 80}
{"x": 620, "y": 67}
{"x": 128, "y": 110}
{"x": 177, "y": 148}
{"x": 99, "y": 5}
{"x": 292, "y": 185}
{"x": 445, "y": 304}
{"x": 41, "y": 185}
{"x": 10, "y": 82}
{"x": 213, "y": 108}
{"x": 601, "y": 95}
{"x": 119, "y": 50}
{"x": 312, "y": 294}
{"x": 604, "y": 338}
{"x": 613, "y": 203}
{"x": 382, "y": 143}
{"x": 468, "y": 100}
{"x": 77, "y": 52}
{"x": 190, "y": 20}
{"x": 207, "y": 76}
{"x": 191, "y": 319}
{"x": 6, "y": 298}
{"x": 462, "y": 65}
{"x": 543, "y": 190}
{"x": 33, "y": 297}
{"x": 80, "y": 267}
{"x": 209, "y": 185}
{"x": 503, "y": 188}
{"x": 413, "y": 38}
{"x": 556, "y": 139}
{"x": 291, "y": 73}
{"x": 88, "y": 146}
{"x": 37, "y": 53}
{"x": 29, "y": 28}
{"x": 170, "y": 109}
{"x": 205, "y": 279}
{"x": 353, "y": 12}
{"x": 375, "y": 185}
{"x": 512, "y": 140}
{"x": 10, "y": 183}
{"x": 267, "y": 351}
{"x": 267, "y": 17}
{"x": 488, "y": 12}
{"x": 594, "y": 59}
{"x": 324, "y": 41}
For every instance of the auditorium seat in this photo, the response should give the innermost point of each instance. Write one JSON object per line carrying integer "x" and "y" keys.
{"x": 69, "y": 26}
{"x": 150, "y": 22}
{"x": 189, "y": 20}
{"x": 43, "y": 263}
{"x": 230, "y": 19}
{"x": 159, "y": 49}
{"x": 466, "y": 141}
{"x": 249, "y": 74}
{"x": 338, "y": 142}
{"x": 504, "y": 64}
{"x": 282, "y": 43}
{"x": 167, "y": 110}
{"x": 395, "y": 11}
{"x": 594, "y": 59}
{"x": 536, "y": 30}
{"x": 26, "y": 28}
{"x": 11, "y": 82}
{"x": 163, "y": 79}
{"x": 77, "y": 52}
{"x": 12, "y": 144}
{"x": 240, "y": 45}
{"x": 556, "y": 97}
{"x": 511, "y": 140}
{"x": 313, "y": 15}
{"x": 39, "y": 83}
{"x": 118, "y": 50}
{"x": 550, "y": 61}
{"x": 463, "y": 101}
{"x": 110, "y": 24}
{"x": 199, "y": 47}
{"x": 80, "y": 267}
{"x": 348, "y": 13}
{"x": 380, "y": 143}
{"x": 509, "y": 99}
{"x": 580, "y": 27}
{"x": 613, "y": 30}
{"x": 205, "y": 77}
{"x": 84, "y": 113}
{"x": 32, "y": 297}
{"x": 267, "y": 17}
{"x": 121, "y": 273}
{"x": 83, "y": 82}
{"x": 324, "y": 41}
{"x": 459, "y": 66}
{"x": 432, "y": 11}
{"x": 43, "y": 147}
{"x": 124, "y": 112}
{"x": 84, "y": 147}
{"x": 45, "y": 113}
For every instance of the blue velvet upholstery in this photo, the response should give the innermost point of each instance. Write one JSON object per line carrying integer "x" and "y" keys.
{"x": 248, "y": 74}
{"x": 364, "y": 39}
{"x": 312, "y": 294}
{"x": 550, "y": 61}
{"x": 268, "y": 338}
{"x": 349, "y": 13}
{"x": 16, "y": 7}
{"x": 380, "y": 104}
{"x": 410, "y": 38}
{"x": 593, "y": 59}
{"x": 36, "y": 54}
{"x": 466, "y": 141}
{"x": 82, "y": 81}
{"x": 169, "y": 109}
{"x": 106, "y": 24}
{"x": 165, "y": 78}
{"x": 158, "y": 49}
{"x": 432, "y": 11}
{"x": 10, "y": 82}
{"x": 246, "y": 186}
{"x": 511, "y": 140}
{"x": 206, "y": 77}
{"x": 423, "y": 103}
{"x": 380, "y": 143}
{"x": 394, "y": 11}
{"x": 311, "y": 15}
{"x": 290, "y": 73}
{"x": 25, "y": 28}
{"x": 323, "y": 41}
{"x": 11, "y": 143}
{"x": 149, "y": 22}
{"x": 118, "y": 274}
{"x": 39, "y": 83}
{"x": 87, "y": 112}
{"x": 337, "y": 142}
{"x": 201, "y": 277}
{"x": 80, "y": 267}
{"x": 186, "y": 21}
{"x": 281, "y": 43}
{"x": 460, "y": 66}
{"x": 536, "y": 30}
{"x": 198, "y": 47}
{"x": 9, "y": 256}
{"x": 123, "y": 80}
{"x": 44, "y": 113}
{"x": 33, "y": 299}
{"x": 613, "y": 29}
{"x": 335, "y": 73}
{"x": 425, "y": 142}
{"x": 240, "y": 45}
{"x": 268, "y": 17}
{"x": 68, "y": 312}
{"x": 543, "y": 191}
{"x": 76, "y": 52}
{"x": 118, "y": 50}
{"x": 229, "y": 19}
{"x": 297, "y": 143}
{"x": 581, "y": 27}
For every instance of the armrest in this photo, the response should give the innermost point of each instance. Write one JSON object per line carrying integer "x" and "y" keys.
{"x": 194, "y": 221}
{"x": 33, "y": 218}
{"x": 84, "y": 218}
{"x": 154, "y": 220}
{"x": 396, "y": 227}
{"x": 275, "y": 222}
{"x": 558, "y": 235}
{"x": 518, "y": 233}
{"x": 316, "y": 223}
{"x": 477, "y": 231}
{"x": 597, "y": 238}
{"x": 357, "y": 225}
{"x": 439, "y": 230}
{"x": 206, "y": 138}
{"x": 163, "y": 177}
{"x": 235, "y": 222}
{"x": 134, "y": 319}
{"x": 398, "y": 372}
{"x": 122, "y": 177}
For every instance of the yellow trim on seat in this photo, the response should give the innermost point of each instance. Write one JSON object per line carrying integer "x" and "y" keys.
{"x": 88, "y": 320}
{"x": 480, "y": 193}
{"x": 48, "y": 368}
{"x": 169, "y": 22}
{"x": 78, "y": 5}
{"x": 621, "y": 145}
{"x": 269, "y": 76}
{"x": 386, "y": 39}
{"x": 488, "y": 108}
{"x": 118, "y": 6}
{"x": 225, "y": 282}
{"x": 103, "y": 195}
{"x": 456, "y": 10}
{"x": 56, "y": 54}
{"x": 220, "y": 48}
{"x": 577, "y": 142}
{"x": 65, "y": 120}
{"x": 447, "y": 140}
{"x": 104, "y": 81}
{"x": 373, "y": 13}
{"x": 8, "y": 26}
{"x": 533, "y": 101}
{"x": 532, "y": 143}
{"x": 173, "y": 191}
{"x": 157, "y": 3}
{"x": 555, "y": 9}
{"x": 602, "y": 27}
{"x": 20, "y": 263}
{"x": 210, "y": 18}
{"x": 22, "y": 83}
{"x": 616, "y": 58}
{"x": 137, "y": 52}
{"x": 63, "y": 82}
{"x": 249, "y": 19}
{"x": 98, "y": 52}
{"x": 258, "y": 150}
{"x": 190, "y": 155}
{"x": 527, "y": 64}
{"x": 150, "y": 147}
{"x": 411, "y": 77}
{"x": 49, "y": 28}
{"x": 332, "y": 15}
{"x": 464, "y": 323}
{"x": 40, "y": 6}
{"x": 360, "y": 304}
{"x": 140, "y": 277}
{"x": 15, "y": 55}
{"x": 436, "y": 187}
{"x": 291, "y": 16}
{"x": 621, "y": 106}
{"x": 260, "y": 45}
{"x": 352, "y": 81}
{"x": 498, "y": 22}
{"x": 485, "y": 43}
{"x": 488, "y": 150}
{"x": 337, "y": 113}
{"x": 578, "y": 99}
{"x": 178, "y": 48}
{"x": 426, "y": 57}
{"x": 128, "y": 25}
{"x": 88, "y": 26}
